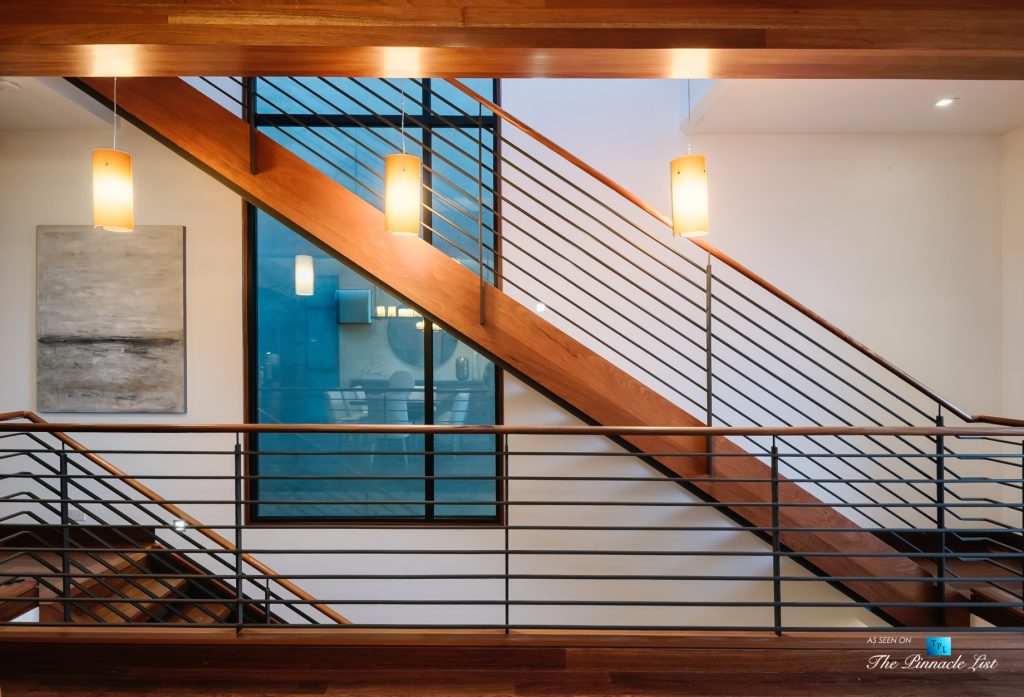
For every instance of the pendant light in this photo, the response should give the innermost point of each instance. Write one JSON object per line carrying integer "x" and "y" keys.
{"x": 305, "y": 277}
{"x": 689, "y": 188}
{"x": 112, "y": 190}
{"x": 402, "y": 190}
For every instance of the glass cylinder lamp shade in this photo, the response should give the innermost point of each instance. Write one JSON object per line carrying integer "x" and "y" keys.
{"x": 112, "y": 192}
{"x": 402, "y": 194}
{"x": 305, "y": 277}
{"x": 689, "y": 196}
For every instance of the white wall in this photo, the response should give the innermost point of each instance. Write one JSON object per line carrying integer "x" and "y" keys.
{"x": 1013, "y": 272}
{"x": 45, "y": 179}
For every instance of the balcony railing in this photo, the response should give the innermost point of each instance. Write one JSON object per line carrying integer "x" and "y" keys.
{"x": 587, "y": 536}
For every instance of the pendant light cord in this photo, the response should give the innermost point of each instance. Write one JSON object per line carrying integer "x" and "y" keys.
{"x": 403, "y": 120}
{"x": 115, "y": 113}
{"x": 689, "y": 118}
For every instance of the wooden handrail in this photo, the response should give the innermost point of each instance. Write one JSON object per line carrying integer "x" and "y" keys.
{"x": 1015, "y": 430}
{"x": 59, "y": 433}
{"x": 730, "y": 262}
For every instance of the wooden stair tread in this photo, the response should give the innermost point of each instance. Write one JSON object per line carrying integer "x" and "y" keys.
{"x": 94, "y": 574}
{"x": 999, "y": 616}
{"x": 135, "y": 602}
{"x": 18, "y": 589}
{"x": 17, "y": 597}
{"x": 85, "y": 564}
{"x": 200, "y": 613}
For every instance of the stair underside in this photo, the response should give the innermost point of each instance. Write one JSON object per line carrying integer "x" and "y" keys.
{"x": 104, "y": 591}
{"x": 513, "y": 336}
{"x": 17, "y": 597}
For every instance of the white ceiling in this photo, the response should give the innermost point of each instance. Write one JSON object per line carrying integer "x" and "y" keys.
{"x": 859, "y": 106}
{"x": 729, "y": 106}
{"x": 46, "y": 104}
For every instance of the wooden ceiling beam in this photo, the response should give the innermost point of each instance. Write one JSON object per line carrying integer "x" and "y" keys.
{"x": 517, "y": 38}
{"x": 172, "y": 61}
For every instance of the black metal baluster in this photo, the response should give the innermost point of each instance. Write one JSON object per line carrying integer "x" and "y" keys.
{"x": 266, "y": 600}
{"x": 480, "y": 210}
{"x": 239, "y": 597}
{"x": 65, "y": 535}
{"x": 709, "y": 385}
{"x": 506, "y": 522}
{"x": 249, "y": 106}
{"x": 940, "y": 516}
{"x": 776, "y": 544}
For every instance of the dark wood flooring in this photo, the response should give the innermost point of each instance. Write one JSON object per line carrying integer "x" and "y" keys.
{"x": 489, "y": 665}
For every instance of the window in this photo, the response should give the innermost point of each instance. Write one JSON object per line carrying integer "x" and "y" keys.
{"x": 351, "y": 353}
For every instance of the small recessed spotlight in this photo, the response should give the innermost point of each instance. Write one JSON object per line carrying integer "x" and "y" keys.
{"x": 946, "y": 102}
{"x": 541, "y": 308}
{"x": 180, "y": 525}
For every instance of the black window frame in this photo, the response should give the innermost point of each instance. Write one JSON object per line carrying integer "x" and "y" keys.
{"x": 427, "y": 123}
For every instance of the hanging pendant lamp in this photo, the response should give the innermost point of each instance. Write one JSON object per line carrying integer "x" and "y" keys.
{"x": 689, "y": 196}
{"x": 112, "y": 188}
{"x": 305, "y": 276}
{"x": 402, "y": 194}
{"x": 689, "y": 181}
{"x": 403, "y": 190}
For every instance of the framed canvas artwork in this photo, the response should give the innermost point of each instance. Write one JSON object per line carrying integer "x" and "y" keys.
{"x": 110, "y": 325}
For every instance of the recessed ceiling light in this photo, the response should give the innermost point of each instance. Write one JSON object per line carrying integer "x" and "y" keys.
{"x": 946, "y": 102}
{"x": 9, "y": 85}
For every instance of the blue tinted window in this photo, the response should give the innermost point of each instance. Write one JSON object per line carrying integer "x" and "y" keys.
{"x": 351, "y": 353}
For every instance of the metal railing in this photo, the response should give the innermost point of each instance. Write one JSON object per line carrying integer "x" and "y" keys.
{"x": 103, "y": 550}
{"x": 554, "y": 233}
{"x": 702, "y": 330}
{"x": 587, "y": 536}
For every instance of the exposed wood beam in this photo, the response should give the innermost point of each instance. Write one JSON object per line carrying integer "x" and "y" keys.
{"x": 551, "y": 38}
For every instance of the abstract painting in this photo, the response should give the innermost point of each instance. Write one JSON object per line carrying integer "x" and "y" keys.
{"x": 110, "y": 321}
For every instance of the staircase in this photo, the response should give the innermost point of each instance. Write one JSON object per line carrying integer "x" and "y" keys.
{"x": 761, "y": 366}
{"x": 119, "y": 586}
{"x": 140, "y": 559}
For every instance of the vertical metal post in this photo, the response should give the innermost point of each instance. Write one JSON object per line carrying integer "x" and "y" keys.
{"x": 249, "y": 100}
{"x": 239, "y": 597}
{"x": 266, "y": 600}
{"x": 507, "y": 496}
{"x": 480, "y": 208}
{"x": 65, "y": 534}
{"x": 709, "y": 386}
{"x": 429, "y": 440}
{"x": 940, "y": 516}
{"x": 776, "y": 544}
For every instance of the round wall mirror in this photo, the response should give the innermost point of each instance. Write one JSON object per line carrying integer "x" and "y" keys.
{"x": 406, "y": 342}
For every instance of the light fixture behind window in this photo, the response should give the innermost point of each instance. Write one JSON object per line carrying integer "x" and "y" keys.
{"x": 112, "y": 188}
{"x": 402, "y": 194}
{"x": 305, "y": 277}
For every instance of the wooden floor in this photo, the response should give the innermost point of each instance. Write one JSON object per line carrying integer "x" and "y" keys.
{"x": 490, "y": 665}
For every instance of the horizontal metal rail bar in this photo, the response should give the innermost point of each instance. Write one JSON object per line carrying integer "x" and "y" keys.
{"x": 698, "y": 431}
